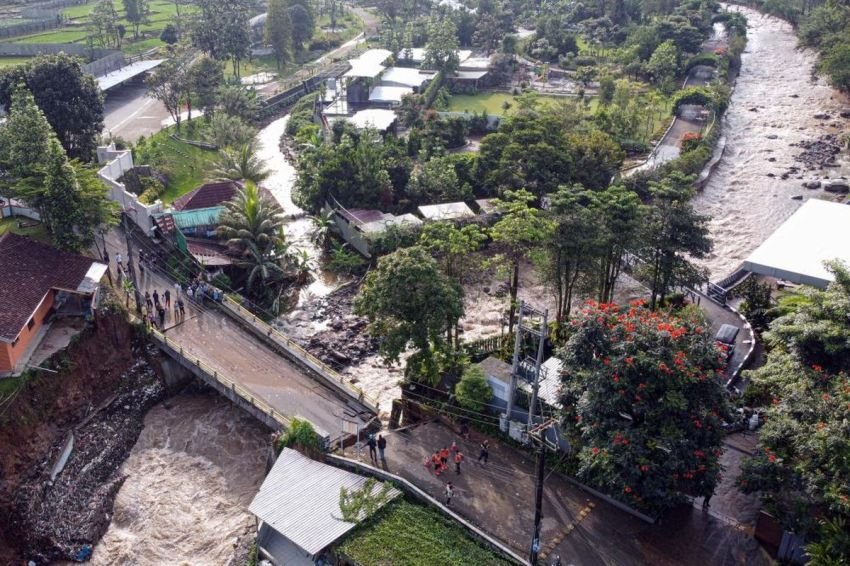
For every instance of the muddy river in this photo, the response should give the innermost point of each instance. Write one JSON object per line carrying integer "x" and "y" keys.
{"x": 773, "y": 106}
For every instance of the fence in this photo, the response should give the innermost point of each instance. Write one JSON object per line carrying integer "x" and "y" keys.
{"x": 486, "y": 346}
{"x": 33, "y": 49}
{"x": 324, "y": 371}
{"x": 27, "y": 28}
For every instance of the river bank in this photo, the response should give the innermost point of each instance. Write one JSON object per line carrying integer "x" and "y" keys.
{"x": 777, "y": 109}
{"x": 104, "y": 386}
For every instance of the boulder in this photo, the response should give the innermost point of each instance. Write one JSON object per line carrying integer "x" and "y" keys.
{"x": 845, "y": 113}
{"x": 822, "y": 116}
{"x": 840, "y": 187}
{"x": 811, "y": 185}
{"x": 797, "y": 197}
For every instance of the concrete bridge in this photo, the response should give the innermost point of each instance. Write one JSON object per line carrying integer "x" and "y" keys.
{"x": 256, "y": 367}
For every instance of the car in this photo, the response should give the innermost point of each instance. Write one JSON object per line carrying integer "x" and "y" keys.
{"x": 725, "y": 338}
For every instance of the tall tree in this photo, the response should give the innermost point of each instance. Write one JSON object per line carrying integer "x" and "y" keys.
{"x": 168, "y": 84}
{"x": 62, "y": 211}
{"x": 441, "y": 49}
{"x": 104, "y": 22}
{"x": 521, "y": 230}
{"x": 409, "y": 301}
{"x": 138, "y": 13}
{"x": 278, "y": 32}
{"x": 24, "y": 137}
{"x": 622, "y": 216}
{"x": 70, "y": 99}
{"x": 675, "y": 232}
{"x": 206, "y": 76}
{"x": 643, "y": 394}
{"x": 221, "y": 29}
{"x": 596, "y": 159}
{"x": 303, "y": 24}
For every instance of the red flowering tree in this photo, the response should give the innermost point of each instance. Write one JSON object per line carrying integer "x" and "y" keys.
{"x": 643, "y": 392}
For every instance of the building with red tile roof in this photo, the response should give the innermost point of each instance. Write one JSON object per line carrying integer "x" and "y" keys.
{"x": 35, "y": 279}
{"x": 207, "y": 196}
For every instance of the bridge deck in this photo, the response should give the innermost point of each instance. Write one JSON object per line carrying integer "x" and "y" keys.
{"x": 221, "y": 344}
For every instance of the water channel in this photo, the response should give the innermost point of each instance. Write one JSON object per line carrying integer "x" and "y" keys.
{"x": 772, "y": 107}
{"x": 199, "y": 460}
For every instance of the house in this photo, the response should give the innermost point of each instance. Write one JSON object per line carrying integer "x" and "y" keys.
{"x": 207, "y": 196}
{"x": 38, "y": 281}
{"x": 358, "y": 225}
{"x": 446, "y": 211}
{"x": 297, "y": 509}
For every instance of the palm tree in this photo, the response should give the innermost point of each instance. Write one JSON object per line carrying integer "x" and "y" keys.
{"x": 263, "y": 269}
{"x": 241, "y": 164}
{"x": 251, "y": 217}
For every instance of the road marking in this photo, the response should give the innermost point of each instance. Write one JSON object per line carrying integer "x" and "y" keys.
{"x": 566, "y": 531}
{"x": 143, "y": 106}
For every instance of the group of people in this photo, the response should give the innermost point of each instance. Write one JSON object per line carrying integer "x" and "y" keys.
{"x": 439, "y": 461}
{"x": 381, "y": 444}
{"x": 156, "y": 310}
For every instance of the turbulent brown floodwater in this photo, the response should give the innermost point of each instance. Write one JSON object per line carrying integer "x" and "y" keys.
{"x": 773, "y": 106}
{"x": 190, "y": 477}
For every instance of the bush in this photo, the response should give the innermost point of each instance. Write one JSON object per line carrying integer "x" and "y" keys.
{"x": 584, "y": 61}
{"x": 472, "y": 391}
{"x": 301, "y": 114}
{"x": 222, "y": 281}
{"x": 300, "y": 435}
{"x": 152, "y": 189}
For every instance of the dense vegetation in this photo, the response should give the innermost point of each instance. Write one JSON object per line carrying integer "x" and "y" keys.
{"x": 802, "y": 470}
{"x": 406, "y": 533}
{"x": 824, "y": 26}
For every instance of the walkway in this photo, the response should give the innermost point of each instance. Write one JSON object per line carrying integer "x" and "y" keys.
{"x": 577, "y": 526}
{"x": 221, "y": 343}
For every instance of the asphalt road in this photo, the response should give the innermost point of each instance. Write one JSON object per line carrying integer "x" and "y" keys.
{"x": 130, "y": 113}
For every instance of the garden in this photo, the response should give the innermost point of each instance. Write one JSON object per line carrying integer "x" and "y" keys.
{"x": 406, "y": 533}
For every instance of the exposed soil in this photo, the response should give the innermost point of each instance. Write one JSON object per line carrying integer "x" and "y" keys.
{"x": 101, "y": 394}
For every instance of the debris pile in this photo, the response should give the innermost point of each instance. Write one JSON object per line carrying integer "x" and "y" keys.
{"x": 819, "y": 153}
{"x": 346, "y": 340}
{"x": 64, "y": 518}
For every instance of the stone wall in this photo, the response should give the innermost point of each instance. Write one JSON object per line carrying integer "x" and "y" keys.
{"x": 115, "y": 164}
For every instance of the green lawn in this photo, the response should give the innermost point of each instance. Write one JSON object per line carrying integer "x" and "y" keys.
{"x": 186, "y": 166}
{"x": 11, "y": 61}
{"x": 64, "y": 35}
{"x": 36, "y": 232}
{"x": 407, "y": 533}
{"x": 492, "y": 102}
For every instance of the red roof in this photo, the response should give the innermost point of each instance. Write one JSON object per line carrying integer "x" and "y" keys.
{"x": 28, "y": 270}
{"x": 207, "y": 196}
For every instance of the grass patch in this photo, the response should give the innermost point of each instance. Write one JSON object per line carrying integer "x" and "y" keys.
{"x": 36, "y": 232}
{"x": 12, "y": 61}
{"x": 493, "y": 102}
{"x": 63, "y": 35}
{"x": 186, "y": 166}
{"x": 405, "y": 533}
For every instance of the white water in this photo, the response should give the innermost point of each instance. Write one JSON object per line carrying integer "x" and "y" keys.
{"x": 190, "y": 477}
{"x": 772, "y": 106}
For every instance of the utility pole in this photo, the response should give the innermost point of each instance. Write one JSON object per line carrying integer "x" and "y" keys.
{"x": 130, "y": 268}
{"x": 538, "y": 434}
{"x": 538, "y": 368}
{"x": 515, "y": 362}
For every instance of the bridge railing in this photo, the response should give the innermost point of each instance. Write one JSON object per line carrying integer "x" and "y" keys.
{"x": 294, "y": 349}
{"x": 228, "y": 383}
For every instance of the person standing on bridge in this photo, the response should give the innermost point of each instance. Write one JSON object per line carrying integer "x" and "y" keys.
{"x": 148, "y": 302}
{"x": 485, "y": 451}
{"x": 161, "y": 316}
{"x": 155, "y": 299}
{"x": 372, "y": 445}
{"x": 182, "y": 308}
{"x": 450, "y": 492}
{"x": 382, "y": 445}
{"x": 167, "y": 297}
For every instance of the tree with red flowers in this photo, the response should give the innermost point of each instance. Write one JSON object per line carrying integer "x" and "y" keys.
{"x": 642, "y": 392}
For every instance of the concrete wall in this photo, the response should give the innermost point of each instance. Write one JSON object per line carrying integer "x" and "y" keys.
{"x": 115, "y": 164}
{"x": 105, "y": 65}
{"x": 8, "y": 211}
{"x": 33, "y": 49}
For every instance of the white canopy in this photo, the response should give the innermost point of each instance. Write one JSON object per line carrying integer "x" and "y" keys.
{"x": 819, "y": 231}
{"x": 404, "y": 76}
{"x": 376, "y": 118}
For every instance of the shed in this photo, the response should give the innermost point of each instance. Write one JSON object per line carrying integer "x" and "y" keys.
{"x": 298, "y": 508}
{"x": 498, "y": 375}
{"x": 446, "y": 211}
{"x": 818, "y": 232}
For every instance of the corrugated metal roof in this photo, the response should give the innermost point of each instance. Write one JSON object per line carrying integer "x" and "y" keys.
{"x": 382, "y": 93}
{"x": 197, "y": 217}
{"x": 300, "y": 500}
{"x": 445, "y": 211}
{"x": 405, "y": 76}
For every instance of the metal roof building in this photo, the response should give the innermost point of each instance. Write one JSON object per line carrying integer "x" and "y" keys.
{"x": 446, "y": 211}
{"x": 298, "y": 506}
{"x": 819, "y": 231}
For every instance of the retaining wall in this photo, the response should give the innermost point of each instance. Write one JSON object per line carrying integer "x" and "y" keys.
{"x": 115, "y": 164}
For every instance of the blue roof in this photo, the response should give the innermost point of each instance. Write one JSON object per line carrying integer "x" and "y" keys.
{"x": 198, "y": 217}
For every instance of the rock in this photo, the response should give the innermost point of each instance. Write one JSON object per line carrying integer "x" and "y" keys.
{"x": 784, "y": 176}
{"x": 771, "y": 136}
{"x": 754, "y": 109}
{"x": 839, "y": 187}
{"x": 822, "y": 116}
{"x": 795, "y": 96}
{"x": 812, "y": 185}
{"x": 845, "y": 114}
{"x": 771, "y": 159}
{"x": 771, "y": 175}
{"x": 797, "y": 197}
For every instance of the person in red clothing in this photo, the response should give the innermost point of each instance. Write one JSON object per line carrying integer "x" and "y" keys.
{"x": 458, "y": 460}
{"x": 436, "y": 460}
{"x": 444, "y": 455}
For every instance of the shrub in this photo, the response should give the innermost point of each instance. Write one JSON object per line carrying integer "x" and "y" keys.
{"x": 584, "y": 61}
{"x": 301, "y": 435}
{"x": 472, "y": 391}
{"x": 152, "y": 189}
